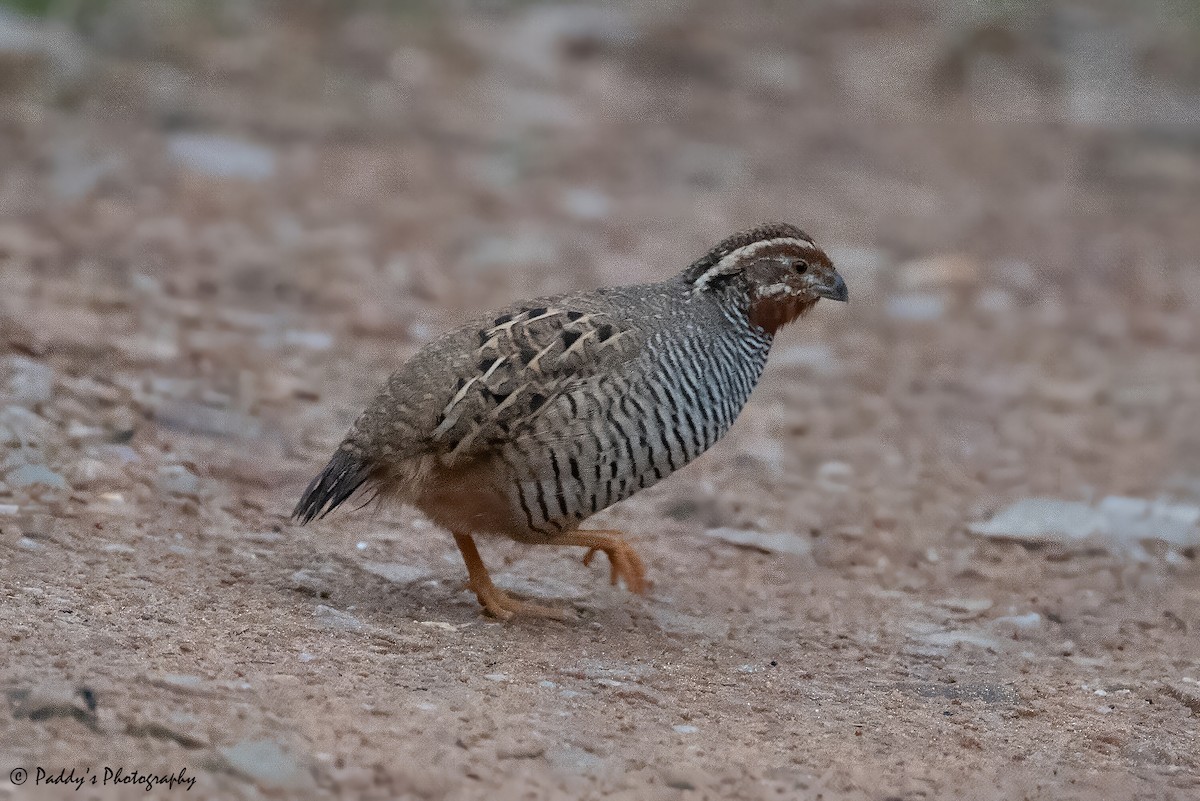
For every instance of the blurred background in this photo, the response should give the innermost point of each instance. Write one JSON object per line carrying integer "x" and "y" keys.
{"x": 223, "y": 223}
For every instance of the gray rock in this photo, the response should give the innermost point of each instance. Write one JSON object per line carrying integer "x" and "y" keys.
{"x": 265, "y": 762}
{"x": 546, "y": 588}
{"x": 1025, "y": 622}
{"x": 396, "y": 572}
{"x": 970, "y": 607}
{"x": 1043, "y": 520}
{"x": 1000, "y": 694}
{"x": 1135, "y": 519}
{"x": 221, "y": 156}
{"x": 175, "y": 479}
{"x": 27, "y": 382}
{"x": 54, "y": 699}
{"x": 336, "y": 618}
{"x": 28, "y": 475}
{"x": 784, "y": 542}
{"x": 19, "y": 426}
{"x": 1118, "y": 523}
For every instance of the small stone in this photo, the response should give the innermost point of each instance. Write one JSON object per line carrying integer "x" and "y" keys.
{"x": 30, "y": 474}
{"x": 175, "y": 479}
{"x": 1118, "y": 523}
{"x": 119, "y": 547}
{"x": 336, "y": 618}
{"x": 784, "y": 542}
{"x": 949, "y": 639}
{"x": 1043, "y": 520}
{"x": 54, "y": 699}
{"x": 1135, "y": 519}
{"x": 87, "y": 473}
{"x": 27, "y": 382}
{"x": 266, "y": 762}
{"x": 396, "y": 572}
{"x": 9, "y": 509}
{"x": 29, "y": 544}
{"x": 21, "y": 427}
{"x": 1025, "y": 622}
{"x": 835, "y": 476}
{"x": 221, "y": 156}
{"x": 685, "y": 728}
{"x": 496, "y": 676}
{"x": 971, "y": 607}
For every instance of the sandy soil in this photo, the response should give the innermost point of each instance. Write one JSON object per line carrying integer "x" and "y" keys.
{"x": 180, "y": 350}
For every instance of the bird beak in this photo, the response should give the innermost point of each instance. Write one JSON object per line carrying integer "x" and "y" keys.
{"x": 835, "y": 290}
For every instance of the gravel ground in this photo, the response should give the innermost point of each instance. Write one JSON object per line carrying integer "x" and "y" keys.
{"x": 220, "y": 230}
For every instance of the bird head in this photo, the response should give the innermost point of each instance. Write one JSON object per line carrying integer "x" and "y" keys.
{"x": 778, "y": 268}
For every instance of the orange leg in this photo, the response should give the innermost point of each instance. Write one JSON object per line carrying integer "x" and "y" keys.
{"x": 622, "y": 559}
{"x": 495, "y": 601}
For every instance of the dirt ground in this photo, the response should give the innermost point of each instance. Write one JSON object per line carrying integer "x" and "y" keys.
{"x": 189, "y": 323}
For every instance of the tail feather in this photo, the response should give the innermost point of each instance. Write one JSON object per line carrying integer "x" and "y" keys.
{"x": 341, "y": 478}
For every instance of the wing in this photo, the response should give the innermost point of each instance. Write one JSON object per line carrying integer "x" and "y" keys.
{"x": 524, "y": 360}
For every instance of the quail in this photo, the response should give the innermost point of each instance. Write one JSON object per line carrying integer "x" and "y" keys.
{"x": 526, "y": 421}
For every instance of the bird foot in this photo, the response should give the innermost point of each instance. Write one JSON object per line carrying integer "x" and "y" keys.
{"x": 624, "y": 562}
{"x": 502, "y": 606}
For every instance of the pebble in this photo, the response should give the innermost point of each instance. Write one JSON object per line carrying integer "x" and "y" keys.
{"x": 1029, "y": 620}
{"x": 396, "y": 572}
{"x": 88, "y": 472}
{"x": 966, "y": 606}
{"x": 119, "y": 547}
{"x": 496, "y": 676}
{"x": 219, "y": 156}
{"x": 28, "y": 475}
{"x": 1118, "y": 523}
{"x": 19, "y": 426}
{"x": 175, "y": 479}
{"x": 336, "y": 618}
{"x": 54, "y": 699}
{"x": 685, "y": 728}
{"x": 266, "y": 762}
{"x": 784, "y": 542}
{"x": 28, "y": 383}
{"x": 949, "y": 639}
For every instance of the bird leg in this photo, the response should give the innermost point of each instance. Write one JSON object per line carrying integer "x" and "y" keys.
{"x": 495, "y": 601}
{"x": 622, "y": 558}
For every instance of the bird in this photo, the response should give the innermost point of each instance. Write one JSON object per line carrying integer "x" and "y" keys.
{"x": 526, "y": 421}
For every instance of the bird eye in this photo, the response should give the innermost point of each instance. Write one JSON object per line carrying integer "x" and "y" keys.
{"x": 802, "y": 267}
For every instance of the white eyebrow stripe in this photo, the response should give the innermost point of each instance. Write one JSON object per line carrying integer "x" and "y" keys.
{"x": 730, "y": 261}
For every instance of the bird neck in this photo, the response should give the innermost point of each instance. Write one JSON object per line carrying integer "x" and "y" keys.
{"x": 773, "y": 312}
